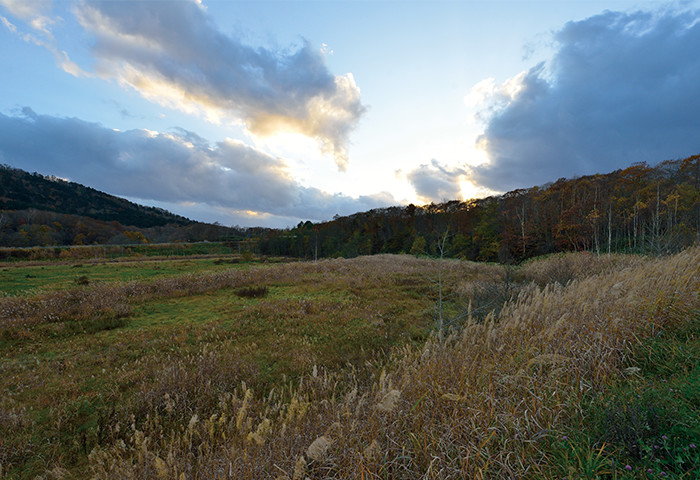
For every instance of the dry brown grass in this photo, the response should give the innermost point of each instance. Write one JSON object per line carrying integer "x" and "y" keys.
{"x": 76, "y": 364}
{"x": 476, "y": 403}
{"x": 563, "y": 267}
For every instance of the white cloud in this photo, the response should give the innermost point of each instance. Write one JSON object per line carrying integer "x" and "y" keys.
{"x": 37, "y": 14}
{"x": 8, "y": 24}
{"x": 488, "y": 91}
{"x": 32, "y": 10}
{"x": 172, "y": 54}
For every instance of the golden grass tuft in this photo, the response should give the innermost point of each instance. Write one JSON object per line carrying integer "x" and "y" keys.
{"x": 318, "y": 449}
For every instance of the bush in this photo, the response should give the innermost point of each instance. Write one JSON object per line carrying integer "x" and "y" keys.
{"x": 484, "y": 297}
{"x": 252, "y": 292}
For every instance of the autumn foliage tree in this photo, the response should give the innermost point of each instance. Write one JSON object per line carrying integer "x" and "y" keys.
{"x": 636, "y": 209}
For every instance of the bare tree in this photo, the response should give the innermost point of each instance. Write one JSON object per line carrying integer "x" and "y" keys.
{"x": 442, "y": 250}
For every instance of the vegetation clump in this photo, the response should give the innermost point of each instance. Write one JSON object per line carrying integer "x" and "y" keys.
{"x": 252, "y": 291}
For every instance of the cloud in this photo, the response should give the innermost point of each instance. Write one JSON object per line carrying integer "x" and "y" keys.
{"x": 33, "y": 11}
{"x": 621, "y": 88}
{"x": 436, "y": 182}
{"x": 178, "y": 167}
{"x": 172, "y": 54}
{"x": 37, "y": 13}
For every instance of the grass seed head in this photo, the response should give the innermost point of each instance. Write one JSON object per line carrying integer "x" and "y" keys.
{"x": 389, "y": 401}
{"x": 318, "y": 449}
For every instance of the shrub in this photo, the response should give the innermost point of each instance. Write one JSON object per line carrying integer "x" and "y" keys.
{"x": 488, "y": 297}
{"x": 652, "y": 416}
{"x": 252, "y": 292}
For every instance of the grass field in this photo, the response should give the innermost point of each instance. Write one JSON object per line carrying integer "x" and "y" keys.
{"x": 64, "y": 374}
{"x": 29, "y": 279}
{"x": 204, "y": 369}
{"x": 115, "y": 252}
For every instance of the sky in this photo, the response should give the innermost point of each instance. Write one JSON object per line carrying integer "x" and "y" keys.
{"x": 268, "y": 113}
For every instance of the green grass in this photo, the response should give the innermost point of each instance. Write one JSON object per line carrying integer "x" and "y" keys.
{"x": 547, "y": 390}
{"x": 67, "y": 380}
{"x": 112, "y": 252}
{"x": 292, "y": 328}
{"x": 29, "y": 280}
{"x": 647, "y": 425}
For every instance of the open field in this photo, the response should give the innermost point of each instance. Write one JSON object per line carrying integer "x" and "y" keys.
{"x": 90, "y": 340}
{"x": 115, "y": 252}
{"x": 330, "y": 370}
{"x": 35, "y": 277}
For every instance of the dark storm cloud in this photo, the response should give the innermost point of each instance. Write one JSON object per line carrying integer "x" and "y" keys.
{"x": 435, "y": 182}
{"x": 172, "y": 53}
{"x": 621, "y": 88}
{"x": 178, "y": 167}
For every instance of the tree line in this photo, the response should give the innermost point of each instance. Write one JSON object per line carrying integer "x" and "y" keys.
{"x": 32, "y": 227}
{"x": 636, "y": 209}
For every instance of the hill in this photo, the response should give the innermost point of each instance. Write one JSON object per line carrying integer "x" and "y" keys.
{"x": 39, "y": 210}
{"x": 20, "y": 190}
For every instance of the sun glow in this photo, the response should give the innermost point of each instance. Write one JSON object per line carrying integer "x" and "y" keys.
{"x": 163, "y": 92}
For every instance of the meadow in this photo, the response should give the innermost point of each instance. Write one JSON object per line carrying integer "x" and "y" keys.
{"x": 567, "y": 366}
{"x": 31, "y": 278}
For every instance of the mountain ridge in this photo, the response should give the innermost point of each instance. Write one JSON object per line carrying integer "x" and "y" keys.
{"x": 20, "y": 190}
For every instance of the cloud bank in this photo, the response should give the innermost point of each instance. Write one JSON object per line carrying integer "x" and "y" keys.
{"x": 172, "y": 54}
{"x": 621, "y": 88}
{"x": 238, "y": 182}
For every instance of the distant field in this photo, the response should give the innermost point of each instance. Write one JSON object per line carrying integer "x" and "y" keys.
{"x": 18, "y": 279}
{"x": 114, "y": 252}
{"x": 198, "y": 368}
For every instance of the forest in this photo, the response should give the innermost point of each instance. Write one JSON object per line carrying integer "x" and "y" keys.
{"x": 39, "y": 210}
{"x": 640, "y": 209}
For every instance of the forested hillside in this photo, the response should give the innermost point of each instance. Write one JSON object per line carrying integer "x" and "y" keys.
{"x": 38, "y": 210}
{"x": 20, "y": 190}
{"x": 638, "y": 209}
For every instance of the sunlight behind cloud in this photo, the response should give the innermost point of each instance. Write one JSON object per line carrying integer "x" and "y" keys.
{"x": 480, "y": 152}
{"x": 174, "y": 55}
{"x": 167, "y": 94}
{"x": 488, "y": 97}
{"x": 326, "y": 119}
{"x": 300, "y": 152}
{"x": 471, "y": 190}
